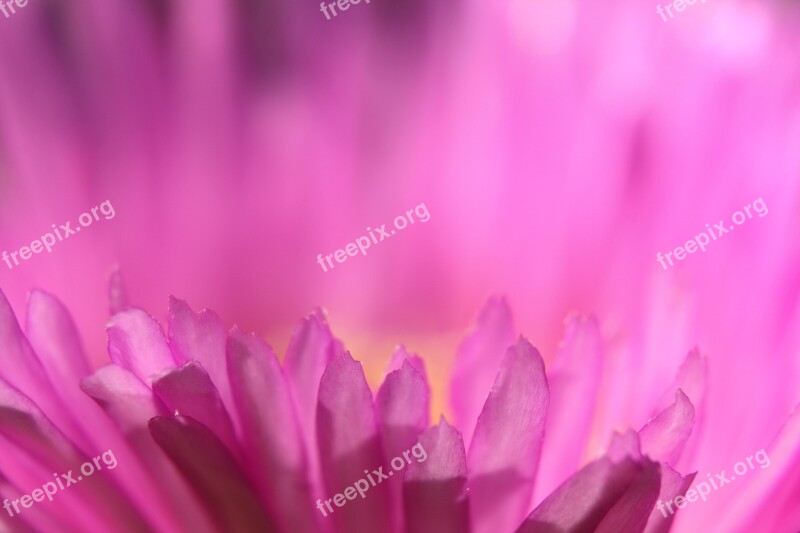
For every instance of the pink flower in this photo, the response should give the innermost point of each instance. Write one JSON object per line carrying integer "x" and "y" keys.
{"x": 559, "y": 145}
{"x": 211, "y": 433}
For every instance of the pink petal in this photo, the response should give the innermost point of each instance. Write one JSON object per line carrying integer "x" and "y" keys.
{"x": 400, "y": 356}
{"x": 34, "y": 436}
{"x": 25, "y": 524}
{"x": 201, "y": 337}
{"x": 270, "y": 431}
{"x": 131, "y": 404}
{"x": 22, "y": 422}
{"x": 504, "y": 453}
{"x": 136, "y": 342}
{"x": 477, "y": 362}
{"x": 33, "y": 522}
{"x": 52, "y": 335}
{"x": 212, "y": 472}
{"x": 189, "y": 391}
{"x": 435, "y": 490}
{"x": 20, "y": 472}
{"x": 310, "y": 350}
{"x": 632, "y": 510}
{"x": 581, "y": 502}
{"x": 624, "y": 445}
{"x": 117, "y": 298}
{"x": 692, "y": 380}
{"x": 54, "y": 338}
{"x": 574, "y": 380}
{"x": 664, "y": 436}
{"x": 672, "y": 485}
{"x": 124, "y": 397}
{"x": 349, "y": 444}
{"x": 20, "y": 366}
{"x": 403, "y": 404}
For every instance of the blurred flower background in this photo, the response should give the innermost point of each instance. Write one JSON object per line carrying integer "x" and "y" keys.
{"x": 558, "y": 146}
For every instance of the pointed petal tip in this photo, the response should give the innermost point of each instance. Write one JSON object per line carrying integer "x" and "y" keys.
{"x": 117, "y": 296}
{"x": 346, "y": 355}
{"x": 318, "y": 315}
{"x": 495, "y": 306}
{"x": 136, "y": 312}
{"x": 694, "y": 357}
{"x": 36, "y": 294}
{"x": 665, "y": 435}
{"x": 680, "y": 397}
{"x": 624, "y": 445}
{"x": 400, "y": 356}
{"x": 526, "y": 349}
{"x": 136, "y": 340}
{"x": 179, "y": 305}
{"x": 578, "y": 318}
{"x": 39, "y": 299}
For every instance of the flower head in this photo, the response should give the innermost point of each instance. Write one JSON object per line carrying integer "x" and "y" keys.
{"x": 208, "y": 431}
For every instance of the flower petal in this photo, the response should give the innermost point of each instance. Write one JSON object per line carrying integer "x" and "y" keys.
{"x": 400, "y": 356}
{"x": 624, "y": 445}
{"x": 310, "y": 350}
{"x": 270, "y": 431}
{"x": 31, "y": 434}
{"x": 664, "y": 436}
{"x": 672, "y": 485}
{"x": 22, "y": 422}
{"x": 435, "y": 490}
{"x": 131, "y": 404}
{"x": 189, "y": 391}
{"x": 30, "y": 523}
{"x": 136, "y": 342}
{"x": 505, "y": 450}
{"x": 117, "y": 297}
{"x": 477, "y": 361}
{"x": 581, "y": 502}
{"x": 573, "y": 380}
{"x": 632, "y": 510}
{"x": 349, "y": 444}
{"x": 123, "y": 396}
{"x": 692, "y": 380}
{"x": 22, "y": 368}
{"x": 201, "y": 337}
{"x": 54, "y": 338}
{"x": 403, "y": 403}
{"x": 212, "y": 473}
